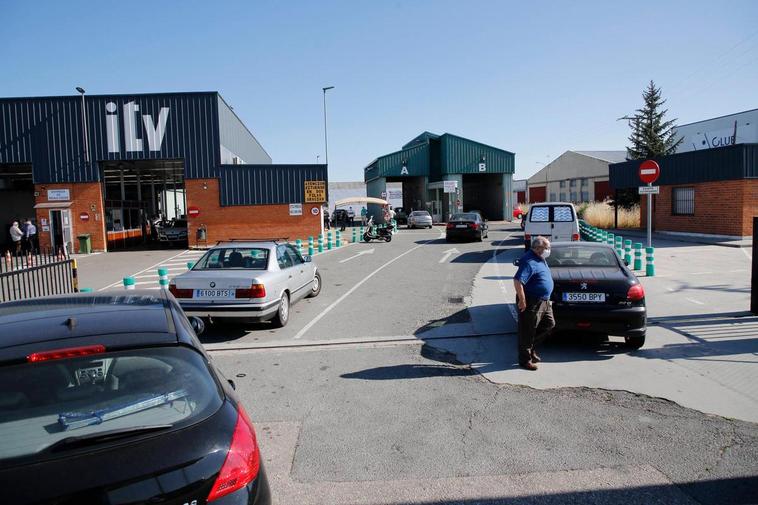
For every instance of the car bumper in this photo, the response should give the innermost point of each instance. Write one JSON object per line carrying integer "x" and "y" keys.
{"x": 421, "y": 223}
{"x": 261, "y": 312}
{"x": 467, "y": 234}
{"x": 622, "y": 322}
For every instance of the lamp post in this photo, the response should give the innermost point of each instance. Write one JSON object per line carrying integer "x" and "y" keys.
{"x": 326, "y": 141}
{"x": 84, "y": 126}
{"x": 317, "y": 157}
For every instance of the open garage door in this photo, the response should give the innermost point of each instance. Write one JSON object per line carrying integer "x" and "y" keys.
{"x": 413, "y": 192}
{"x": 17, "y": 197}
{"x": 484, "y": 192}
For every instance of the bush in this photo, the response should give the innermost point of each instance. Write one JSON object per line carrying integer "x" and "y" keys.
{"x": 600, "y": 215}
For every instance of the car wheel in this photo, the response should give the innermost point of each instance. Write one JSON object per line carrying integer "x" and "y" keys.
{"x": 283, "y": 314}
{"x": 316, "y": 286}
{"x": 366, "y": 238}
{"x": 634, "y": 342}
{"x": 388, "y": 238}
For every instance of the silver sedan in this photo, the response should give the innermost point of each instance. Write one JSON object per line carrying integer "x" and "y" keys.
{"x": 247, "y": 280}
{"x": 419, "y": 219}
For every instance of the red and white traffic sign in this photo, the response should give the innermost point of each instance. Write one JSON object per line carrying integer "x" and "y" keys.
{"x": 193, "y": 211}
{"x": 84, "y": 216}
{"x": 649, "y": 171}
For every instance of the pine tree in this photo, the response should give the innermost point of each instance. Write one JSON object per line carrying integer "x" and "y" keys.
{"x": 651, "y": 135}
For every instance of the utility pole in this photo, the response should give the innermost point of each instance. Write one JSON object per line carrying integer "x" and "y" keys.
{"x": 326, "y": 140}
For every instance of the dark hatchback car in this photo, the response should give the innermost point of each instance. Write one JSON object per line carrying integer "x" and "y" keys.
{"x": 595, "y": 292}
{"x": 111, "y": 399}
{"x": 466, "y": 226}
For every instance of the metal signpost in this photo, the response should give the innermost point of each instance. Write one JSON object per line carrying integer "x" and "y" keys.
{"x": 649, "y": 172}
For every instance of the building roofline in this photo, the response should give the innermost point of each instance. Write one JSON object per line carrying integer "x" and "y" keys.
{"x": 717, "y": 117}
{"x": 243, "y": 125}
{"x": 477, "y": 143}
{"x": 103, "y": 95}
{"x": 584, "y": 153}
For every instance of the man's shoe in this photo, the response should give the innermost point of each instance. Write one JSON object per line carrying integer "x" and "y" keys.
{"x": 528, "y": 365}
{"x": 535, "y": 358}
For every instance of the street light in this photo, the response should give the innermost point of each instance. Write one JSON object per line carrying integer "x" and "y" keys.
{"x": 326, "y": 142}
{"x": 317, "y": 157}
{"x": 84, "y": 126}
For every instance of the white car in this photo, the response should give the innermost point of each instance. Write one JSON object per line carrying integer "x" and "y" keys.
{"x": 556, "y": 221}
{"x": 249, "y": 280}
{"x": 419, "y": 219}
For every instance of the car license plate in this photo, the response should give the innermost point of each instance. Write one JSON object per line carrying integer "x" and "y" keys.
{"x": 584, "y": 297}
{"x": 461, "y": 226}
{"x": 214, "y": 293}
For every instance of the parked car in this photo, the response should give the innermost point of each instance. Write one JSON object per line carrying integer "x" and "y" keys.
{"x": 419, "y": 219}
{"x": 251, "y": 280}
{"x": 518, "y": 212}
{"x": 401, "y": 215}
{"x": 466, "y": 226}
{"x": 596, "y": 292}
{"x": 111, "y": 398}
{"x": 174, "y": 232}
{"x": 556, "y": 221}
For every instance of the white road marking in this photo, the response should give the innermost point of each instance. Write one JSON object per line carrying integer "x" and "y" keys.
{"x": 449, "y": 253}
{"x": 350, "y": 291}
{"x": 118, "y": 283}
{"x": 698, "y": 302}
{"x": 367, "y": 251}
{"x": 671, "y": 289}
{"x": 702, "y": 273}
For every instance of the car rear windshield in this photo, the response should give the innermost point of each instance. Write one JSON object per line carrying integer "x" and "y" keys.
{"x": 42, "y": 403}
{"x": 249, "y": 258}
{"x": 581, "y": 256}
{"x": 420, "y": 213}
{"x": 469, "y": 216}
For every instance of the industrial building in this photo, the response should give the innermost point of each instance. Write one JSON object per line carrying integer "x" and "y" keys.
{"x": 106, "y": 165}
{"x": 738, "y": 128}
{"x": 705, "y": 192}
{"x": 444, "y": 174}
{"x": 574, "y": 176}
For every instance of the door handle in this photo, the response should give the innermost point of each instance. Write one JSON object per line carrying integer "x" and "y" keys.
{"x": 290, "y": 277}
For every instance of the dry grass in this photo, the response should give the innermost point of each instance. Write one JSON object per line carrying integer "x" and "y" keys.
{"x": 600, "y": 214}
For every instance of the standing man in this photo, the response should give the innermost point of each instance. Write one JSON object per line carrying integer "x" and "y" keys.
{"x": 16, "y": 236}
{"x": 30, "y": 236}
{"x": 364, "y": 215}
{"x": 351, "y": 216}
{"x": 327, "y": 224}
{"x": 534, "y": 285}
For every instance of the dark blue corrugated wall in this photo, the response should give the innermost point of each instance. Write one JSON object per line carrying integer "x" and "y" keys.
{"x": 267, "y": 184}
{"x": 47, "y": 132}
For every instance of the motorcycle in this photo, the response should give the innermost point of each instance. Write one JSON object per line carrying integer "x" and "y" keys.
{"x": 373, "y": 232}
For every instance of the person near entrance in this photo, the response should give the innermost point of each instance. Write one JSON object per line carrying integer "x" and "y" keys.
{"x": 30, "y": 236}
{"x": 364, "y": 215}
{"x": 327, "y": 225}
{"x": 351, "y": 216}
{"x": 16, "y": 237}
{"x": 534, "y": 285}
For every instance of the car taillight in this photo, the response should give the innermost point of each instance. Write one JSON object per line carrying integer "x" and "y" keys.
{"x": 635, "y": 293}
{"x": 473, "y": 226}
{"x": 254, "y": 291}
{"x": 527, "y": 236}
{"x": 450, "y": 225}
{"x": 242, "y": 461}
{"x": 575, "y": 237}
{"x": 180, "y": 293}
{"x": 69, "y": 352}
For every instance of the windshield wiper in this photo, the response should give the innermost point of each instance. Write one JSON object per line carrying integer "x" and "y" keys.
{"x": 103, "y": 436}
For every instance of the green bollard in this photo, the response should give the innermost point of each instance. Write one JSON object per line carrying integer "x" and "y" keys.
{"x": 619, "y": 245}
{"x": 163, "y": 278}
{"x": 610, "y": 239}
{"x": 299, "y": 244}
{"x": 329, "y": 240}
{"x": 129, "y": 283}
{"x": 339, "y": 239}
{"x": 649, "y": 262}
{"x": 355, "y": 235}
{"x": 320, "y": 242}
{"x": 85, "y": 290}
{"x": 637, "y": 256}
{"x": 190, "y": 264}
{"x": 628, "y": 251}
{"x": 310, "y": 246}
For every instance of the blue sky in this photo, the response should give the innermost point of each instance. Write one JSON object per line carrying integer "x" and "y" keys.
{"x": 536, "y": 78}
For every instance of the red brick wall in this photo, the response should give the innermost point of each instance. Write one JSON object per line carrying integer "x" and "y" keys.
{"x": 721, "y": 208}
{"x": 253, "y": 221}
{"x": 83, "y": 195}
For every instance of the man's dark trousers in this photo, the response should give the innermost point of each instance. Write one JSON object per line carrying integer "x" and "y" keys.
{"x": 534, "y": 324}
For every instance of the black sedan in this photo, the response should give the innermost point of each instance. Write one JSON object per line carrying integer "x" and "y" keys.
{"x": 596, "y": 292}
{"x": 111, "y": 399}
{"x": 466, "y": 226}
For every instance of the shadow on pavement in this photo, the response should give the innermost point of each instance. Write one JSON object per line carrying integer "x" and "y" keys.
{"x": 228, "y": 331}
{"x": 703, "y": 350}
{"x": 399, "y": 372}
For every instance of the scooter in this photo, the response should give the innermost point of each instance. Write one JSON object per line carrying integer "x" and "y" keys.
{"x": 373, "y": 232}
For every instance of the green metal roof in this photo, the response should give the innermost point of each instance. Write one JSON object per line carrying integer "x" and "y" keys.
{"x": 421, "y": 139}
{"x": 414, "y": 159}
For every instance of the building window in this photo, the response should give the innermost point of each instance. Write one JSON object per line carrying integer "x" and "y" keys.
{"x": 585, "y": 196}
{"x": 573, "y": 196}
{"x": 572, "y": 183}
{"x": 552, "y": 197}
{"x": 683, "y": 202}
{"x": 563, "y": 184}
{"x": 584, "y": 183}
{"x": 563, "y": 197}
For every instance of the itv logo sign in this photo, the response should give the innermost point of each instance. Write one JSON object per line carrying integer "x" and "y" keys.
{"x": 154, "y": 132}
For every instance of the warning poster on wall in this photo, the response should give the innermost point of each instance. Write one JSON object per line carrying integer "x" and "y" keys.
{"x": 315, "y": 191}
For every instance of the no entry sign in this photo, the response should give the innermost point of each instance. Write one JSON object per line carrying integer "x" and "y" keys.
{"x": 649, "y": 171}
{"x": 84, "y": 216}
{"x": 193, "y": 211}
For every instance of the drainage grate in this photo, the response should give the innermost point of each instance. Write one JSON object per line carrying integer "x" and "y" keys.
{"x": 455, "y": 299}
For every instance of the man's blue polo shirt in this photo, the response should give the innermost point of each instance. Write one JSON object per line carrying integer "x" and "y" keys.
{"x": 534, "y": 274}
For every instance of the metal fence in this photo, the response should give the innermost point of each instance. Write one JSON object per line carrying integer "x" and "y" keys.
{"x": 33, "y": 275}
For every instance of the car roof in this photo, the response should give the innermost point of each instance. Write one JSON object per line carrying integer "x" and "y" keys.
{"x": 540, "y": 204}
{"x": 143, "y": 316}
{"x": 582, "y": 243}
{"x": 260, "y": 244}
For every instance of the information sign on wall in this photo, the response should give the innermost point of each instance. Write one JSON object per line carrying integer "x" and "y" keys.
{"x": 58, "y": 195}
{"x": 315, "y": 191}
{"x": 449, "y": 186}
{"x": 296, "y": 209}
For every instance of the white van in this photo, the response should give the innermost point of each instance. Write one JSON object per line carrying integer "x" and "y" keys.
{"x": 556, "y": 221}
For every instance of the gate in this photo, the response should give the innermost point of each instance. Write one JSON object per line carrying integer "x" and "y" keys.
{"x": 34, "y": 275}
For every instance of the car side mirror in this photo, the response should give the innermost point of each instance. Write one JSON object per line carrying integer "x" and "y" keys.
{"x": 197, "y": 325}
{"x": 307, "y": 258}
{"x": 516, "y": 262}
